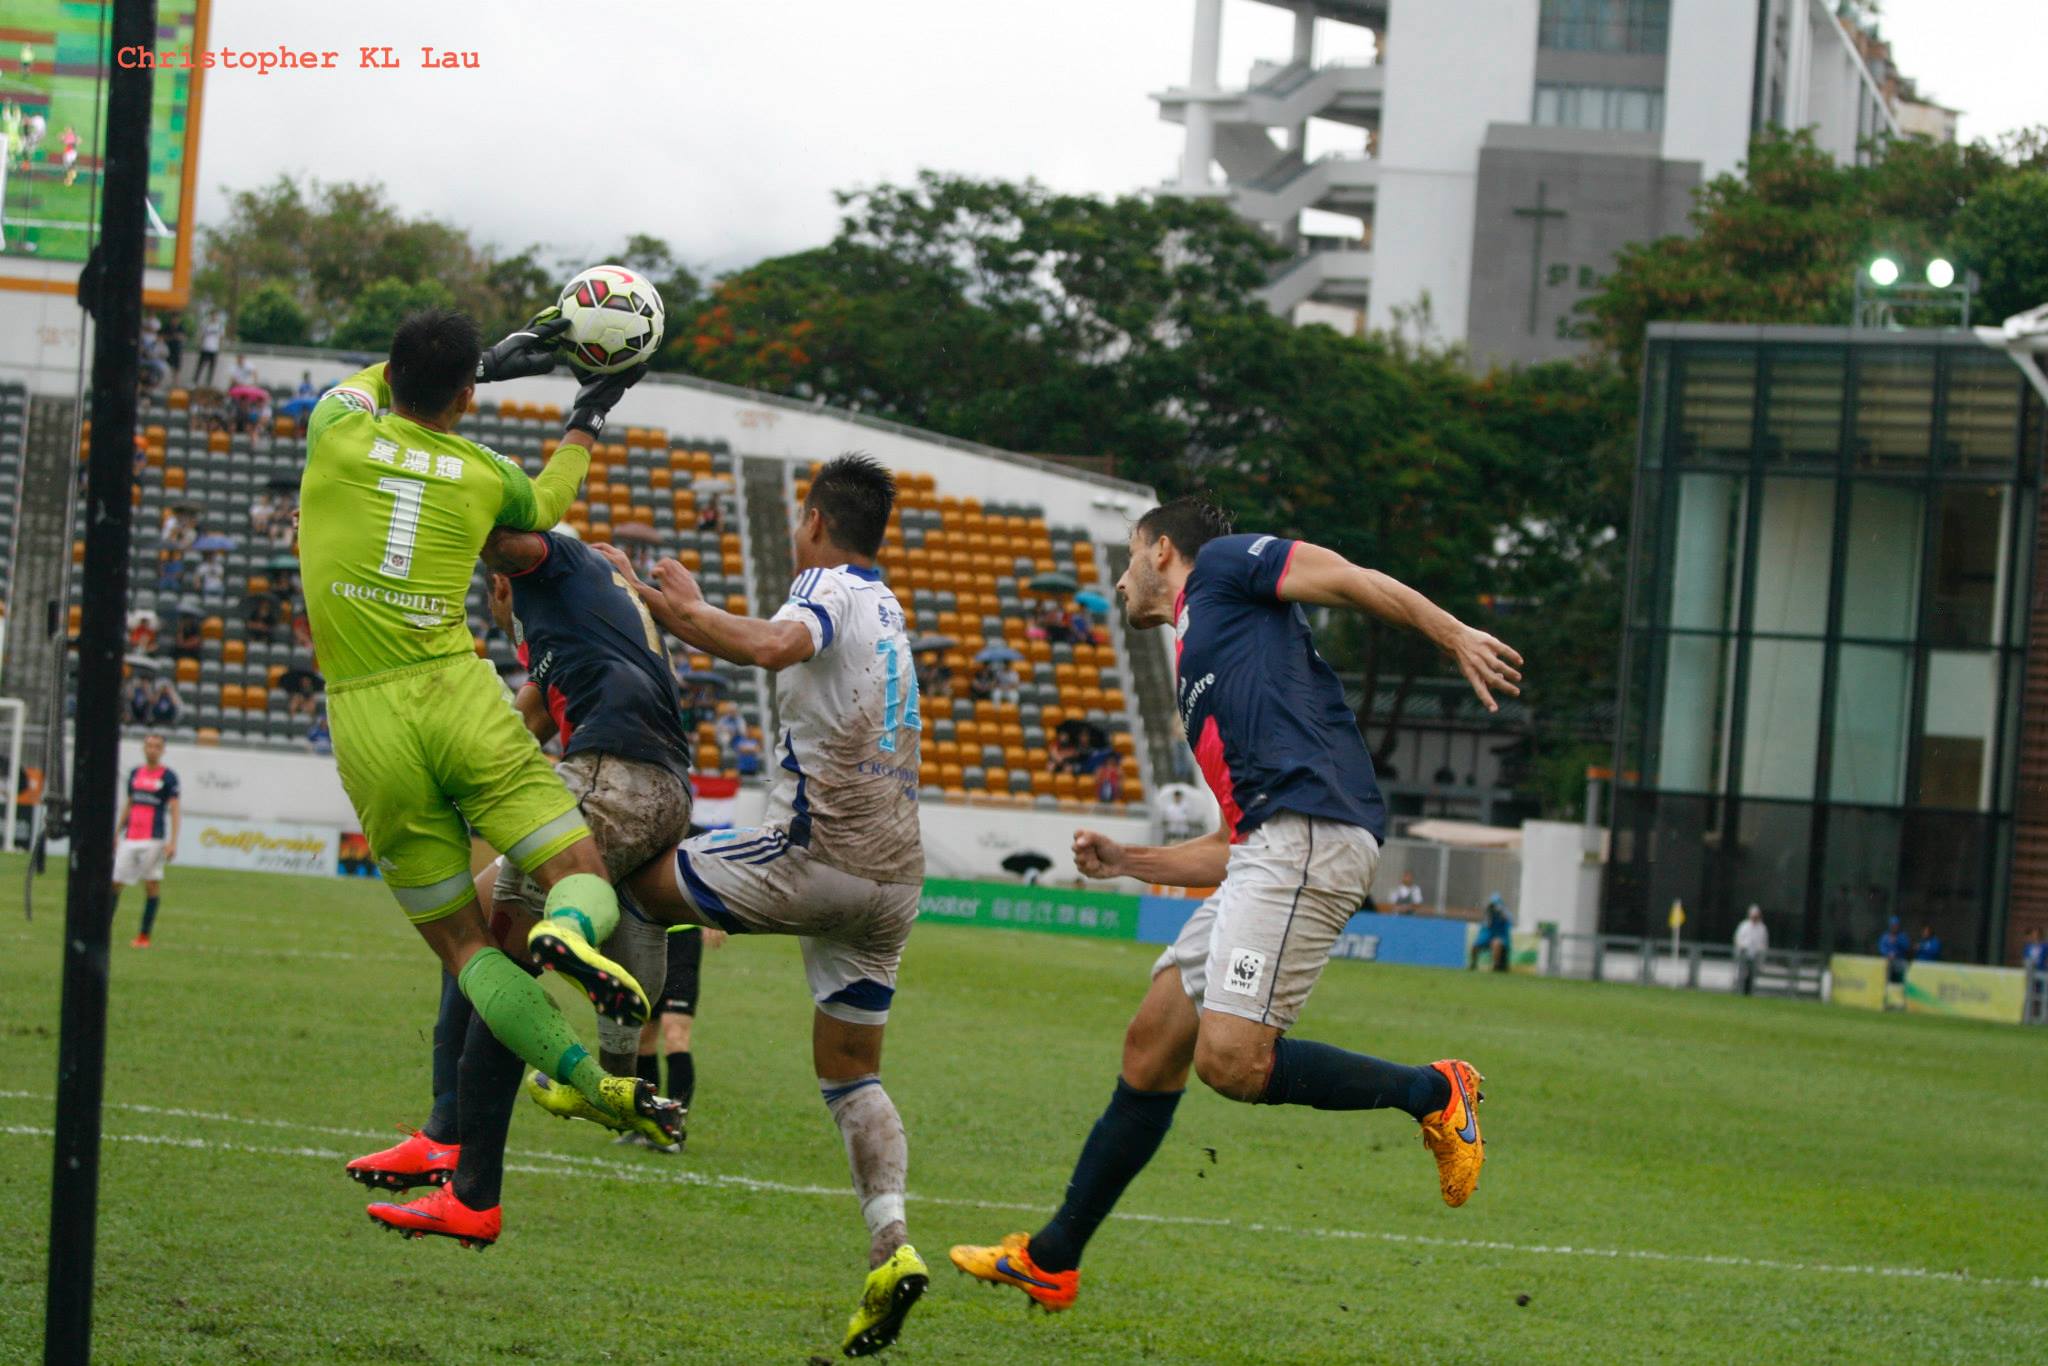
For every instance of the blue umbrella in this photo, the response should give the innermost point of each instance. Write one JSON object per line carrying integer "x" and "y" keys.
{"x": 997, "y": 654}
{"x": 213, "y": 541}
{"x": 704, "y": 676}
{"x": 1093, "y": 601}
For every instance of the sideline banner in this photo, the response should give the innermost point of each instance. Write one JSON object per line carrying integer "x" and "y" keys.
{"x": 1100, "y": 915}
{"x": 1423, "y": 941}
{"x": 1977, "y": 993}
{"x": 1857, "y": 980}
{"x": 259, "y": 846}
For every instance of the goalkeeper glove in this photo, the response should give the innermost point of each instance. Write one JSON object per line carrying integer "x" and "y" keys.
{"x": 595, "y": 400}
{"x": 529, "y": 351}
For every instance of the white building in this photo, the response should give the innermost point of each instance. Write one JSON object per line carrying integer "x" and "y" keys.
{"x": 1497, "y": 153}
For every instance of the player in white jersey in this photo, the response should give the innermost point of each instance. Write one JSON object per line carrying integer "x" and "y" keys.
{"x": 838, "y": 860}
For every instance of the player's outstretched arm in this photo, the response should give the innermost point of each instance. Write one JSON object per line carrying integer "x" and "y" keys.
{"x": 1199, "y": 862}
{"x": 1324, "y": 578}
{"x": 678, "y": 607}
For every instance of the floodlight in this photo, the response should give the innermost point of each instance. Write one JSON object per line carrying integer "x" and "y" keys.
{"x": 1940, "y": 273}
{"x": 1884, "y": 271}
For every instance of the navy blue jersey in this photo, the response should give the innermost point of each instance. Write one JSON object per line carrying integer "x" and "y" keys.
{"x": 1264, "y": 714}
{"x": 150, "y": 794}
{"x": 598, "y": 659}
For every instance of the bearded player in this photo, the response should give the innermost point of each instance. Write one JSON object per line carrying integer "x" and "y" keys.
{"x": 394, "y": 507}
{"x": 599, "y": 679}
{"x": 839, "y": 859}
{"x": 1302, "y": 826}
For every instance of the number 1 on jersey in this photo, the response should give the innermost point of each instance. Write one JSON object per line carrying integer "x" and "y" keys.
{"x": 895, "y": 716}
{"x": 406, "y": 497}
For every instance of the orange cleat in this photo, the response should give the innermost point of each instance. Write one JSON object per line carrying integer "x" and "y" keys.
{"x": 1009, "y": 1263}
{"x": 440, "y": 1214}
{"x": 1452, "y": 1133}
{"x": 140, "y": 941}
{"x": 419, "y": 1161}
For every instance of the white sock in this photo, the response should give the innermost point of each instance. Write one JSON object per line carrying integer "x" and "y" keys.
{"x": 876, "y": 1152}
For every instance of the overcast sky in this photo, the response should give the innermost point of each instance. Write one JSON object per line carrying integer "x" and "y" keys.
{"x": 725, "y": 125}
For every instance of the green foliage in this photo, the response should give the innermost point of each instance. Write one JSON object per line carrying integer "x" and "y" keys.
{"x": 381, "y": 307}
{"x": 1624, "y": 1126}
{"x": 1782, "y": 241}
{"x": 271, "y": 315}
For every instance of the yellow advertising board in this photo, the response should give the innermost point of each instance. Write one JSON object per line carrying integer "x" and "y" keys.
{"x": 1857, "y": 981}
{"x": 1977, "y": 993}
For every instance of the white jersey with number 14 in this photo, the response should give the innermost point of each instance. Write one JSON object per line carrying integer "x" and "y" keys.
{"x": 846, "y": 759}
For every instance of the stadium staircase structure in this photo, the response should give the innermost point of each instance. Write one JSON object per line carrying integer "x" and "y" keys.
{"x": 961, "y": 568}
{"x": 36, "y": 478}
{"x": 767, "y": 487}
{"x": 1157, "y": 719}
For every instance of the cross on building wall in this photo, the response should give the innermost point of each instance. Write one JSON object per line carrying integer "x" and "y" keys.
{"x": 1540, "y": 213}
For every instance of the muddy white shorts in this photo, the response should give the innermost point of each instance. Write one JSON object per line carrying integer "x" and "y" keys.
{"x": 852, "y": 929}
{"x": 1257, "y": 945}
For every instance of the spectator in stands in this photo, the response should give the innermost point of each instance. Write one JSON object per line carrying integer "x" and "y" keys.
{"x": 1048, "y": 622}
{"x": 983, "y": 685}
{"x": 300, "y": 405}
{"x": 243, "y": 375}
{"x": 211, "y": 577}
{"x": 1109, "y": 782}
{"x": 284, "y": 524}
{"x": 1407, "y": 898}
{"x": 934, "y": 678}
{"x": 730, "y": 726}
{"x": 212, "y": 331}
{"x": 141, "y": 454}
{"x": 173, "y": 335}
{"x": 180, "y": 528}
{"x": 189, "y": 636}
{"x": 710, "y": 517}
{"x": 1176, "y": 816}
{"x": 1497, "y": 935}
{"x": 259, "y": 611}
{"x": 1752, "y": 941}
{"x": 302, "y": 626}
{"x": 1080, "y": 626}
{"x": 165, "y": 706}
{"x": 142, "y": 632}
{"x": 171, "y": 574}
{"x": 304, "y": 696}
{"x": 2034, "y": 953}
{"x": 316, "y": 734}
{"x": 1928, "y": 950}
{"x": 1893, "y": 946}
{"x": 261, "y": 511}
{"x": 139, "y": 699}
{"x": 747, "y": 754}
{"x": 1007, "y": 683}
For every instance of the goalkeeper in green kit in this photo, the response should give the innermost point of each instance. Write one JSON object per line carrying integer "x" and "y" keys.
{"x": 393, "y": 510}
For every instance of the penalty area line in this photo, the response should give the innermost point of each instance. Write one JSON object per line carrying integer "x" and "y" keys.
{"x": 551, "y": 1164}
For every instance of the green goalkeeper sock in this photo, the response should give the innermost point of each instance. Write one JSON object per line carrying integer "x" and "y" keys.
{"x": 588, "y": 902}
{"x": 519, "y": 1013}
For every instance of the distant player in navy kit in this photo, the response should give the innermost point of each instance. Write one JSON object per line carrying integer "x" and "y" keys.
{"x": 150, "y": 822}
{"x": 599, "y": 678}
{"x": 1302, "y": 824}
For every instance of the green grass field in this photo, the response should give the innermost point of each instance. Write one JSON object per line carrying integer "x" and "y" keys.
{"x": 1672, "y": 1176}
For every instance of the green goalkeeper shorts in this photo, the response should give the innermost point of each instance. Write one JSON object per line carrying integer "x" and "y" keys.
{"x": 423, "y": 749}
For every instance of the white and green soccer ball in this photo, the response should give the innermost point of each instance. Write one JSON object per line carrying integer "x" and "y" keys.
{"x": 614, "y": 318}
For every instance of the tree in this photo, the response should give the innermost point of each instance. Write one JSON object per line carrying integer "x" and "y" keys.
{"x": 2003, "y": 234}
{"x": 271, "y": 315}
{"x": 382, "y": 307}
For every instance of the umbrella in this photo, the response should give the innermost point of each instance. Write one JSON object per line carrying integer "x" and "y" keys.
{"x": 213, "y": 541}
{"x": 284, "y": 561}
{"x": 716, "y": 680}
{"x": 283, "y": 483}
{"x": 1026, "y": 861}
{"x": 248, "y": 393}
{"x": 296, "y": 680}
{"x": 1093, "y": 601}
{"x": 1053, "y": 583}
{"x": 997, "y": 654}
{"x": 926, "y": 644}
{"x": 638, "y": 532}
{"x": 146, "y": 663}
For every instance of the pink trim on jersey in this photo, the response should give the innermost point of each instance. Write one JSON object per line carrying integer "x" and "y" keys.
{"x": 1216, "y": 772}
{"x": 142, "y": 819}
{"x": 1281, "y": 582}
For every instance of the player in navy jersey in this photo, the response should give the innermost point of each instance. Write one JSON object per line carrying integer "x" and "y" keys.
{"x": 150, "y": 821}
{"x": 1302, "y": 824}
{"x": 599, "y": 679}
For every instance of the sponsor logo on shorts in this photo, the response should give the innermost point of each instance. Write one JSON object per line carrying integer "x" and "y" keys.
{"x": 1247, "y": 971}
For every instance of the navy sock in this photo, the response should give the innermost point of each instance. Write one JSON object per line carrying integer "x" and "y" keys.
{"x": 682, "y": 1077}
{"x": 149, "y": 914}
{"x": 489, "y": 1085}
{"x": 450, "y": 1028}
{"x": 1328, "y": 1078}
{"x": 647, "y": 1067}
{"x": 1118, "y": 1147}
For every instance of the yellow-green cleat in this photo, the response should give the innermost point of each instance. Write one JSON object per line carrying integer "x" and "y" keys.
{"x": 634, "y": 1107}
{"x": 892, "y": 1289}
{"x": 558, "y": 942}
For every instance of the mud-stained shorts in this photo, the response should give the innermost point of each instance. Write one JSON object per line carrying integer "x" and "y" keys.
{"x": 635, "y": 811}
{"x": 1256, "y": 947}
{"x": 852, "y": 929}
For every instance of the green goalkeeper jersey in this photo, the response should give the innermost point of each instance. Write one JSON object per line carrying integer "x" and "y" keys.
{"x": 392, "y": 516}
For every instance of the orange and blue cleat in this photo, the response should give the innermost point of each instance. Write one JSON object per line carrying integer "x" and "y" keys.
{"x": 440, "y": 1215}
{"x": 1009, "y": 1263}
{"x": 419, "y": 1161}
{"x": 1452, "y": 1133}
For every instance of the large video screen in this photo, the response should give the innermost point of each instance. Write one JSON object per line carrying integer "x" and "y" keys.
{"x": 53, "y": 65}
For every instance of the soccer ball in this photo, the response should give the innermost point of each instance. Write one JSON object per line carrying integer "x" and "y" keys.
{"x": 614, "y": 318}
